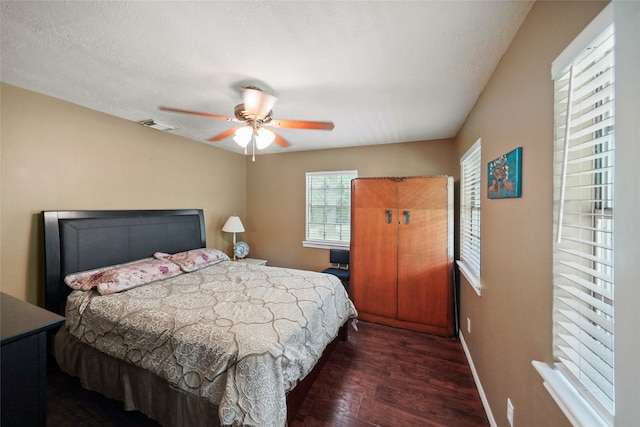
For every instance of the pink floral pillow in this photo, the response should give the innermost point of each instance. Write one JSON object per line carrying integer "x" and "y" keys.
{"x": 121, "y": 277}
{"x": 194, "y": 259}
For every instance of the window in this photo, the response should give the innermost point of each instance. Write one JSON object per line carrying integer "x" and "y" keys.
{"x": 583, "y": 301}
{"x": 329, "y": 208}
{"x": 470, "y": 215}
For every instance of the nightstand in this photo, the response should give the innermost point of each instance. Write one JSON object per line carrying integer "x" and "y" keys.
{"x": 254, "y": 261}
{"x": 23, "y": 330}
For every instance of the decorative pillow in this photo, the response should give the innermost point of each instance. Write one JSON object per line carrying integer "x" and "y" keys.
{"x": 89, "y": 279}
{"x": 194, "y": 259}
{"x": 123, "y": 276}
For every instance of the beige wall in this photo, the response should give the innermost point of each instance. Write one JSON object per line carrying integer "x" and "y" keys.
{"x": 511, "y": 321}
{"x": 60, "y": 156}
{"x": 276, "y": 192}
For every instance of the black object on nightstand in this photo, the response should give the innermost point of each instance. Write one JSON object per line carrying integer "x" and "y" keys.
{"x": 23, "y": 330}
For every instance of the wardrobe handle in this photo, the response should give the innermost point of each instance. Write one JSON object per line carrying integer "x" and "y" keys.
{"x": 407, "y": 217}
{"x": 389, "y": 215}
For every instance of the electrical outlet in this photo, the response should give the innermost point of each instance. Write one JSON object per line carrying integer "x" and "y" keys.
{"x": 468, "y": 325}
{"x": 510, "y": 412}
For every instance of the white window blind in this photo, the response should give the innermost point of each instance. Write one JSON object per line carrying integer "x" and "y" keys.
{"x": 328, "y": 208}
{"x": 583, "y": 220}
{"x": 470, "y": 174}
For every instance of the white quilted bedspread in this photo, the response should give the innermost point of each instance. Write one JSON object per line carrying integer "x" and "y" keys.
{"x": 239, "y": 335}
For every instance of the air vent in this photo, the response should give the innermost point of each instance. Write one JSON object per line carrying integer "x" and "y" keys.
{"x": 157, "y": 125}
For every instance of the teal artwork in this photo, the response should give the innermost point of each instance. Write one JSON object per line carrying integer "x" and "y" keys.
{"x": 504, "y": 175}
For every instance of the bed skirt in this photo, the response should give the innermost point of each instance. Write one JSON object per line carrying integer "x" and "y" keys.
{"x": 137, "y": 388}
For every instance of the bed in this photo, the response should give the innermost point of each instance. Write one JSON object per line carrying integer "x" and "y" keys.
{"x": 214, "y": 342}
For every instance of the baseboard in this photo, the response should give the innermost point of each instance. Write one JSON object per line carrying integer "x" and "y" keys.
{"x": 483, "y": 397}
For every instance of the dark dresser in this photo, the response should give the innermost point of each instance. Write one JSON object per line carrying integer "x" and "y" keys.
{"x": 23, "y": 329}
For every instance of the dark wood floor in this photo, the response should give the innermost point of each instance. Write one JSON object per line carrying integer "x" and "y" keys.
{"x": 382, "y": 376}
{"x": 386, "y": 376}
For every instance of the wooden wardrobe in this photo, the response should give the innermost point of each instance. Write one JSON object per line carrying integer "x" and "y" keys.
{"x": 402, "y": 252}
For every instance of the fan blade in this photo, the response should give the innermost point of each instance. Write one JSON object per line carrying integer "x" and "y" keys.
{"x": 257, "y": 103}
{"x": 197, "y": 113}
{"x": 280, "y": 141}
{"x": 224, "y": 134}
{"x": 300, "y": 124}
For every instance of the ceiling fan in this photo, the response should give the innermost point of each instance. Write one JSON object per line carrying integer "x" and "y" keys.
{"x": 256, "y": 114}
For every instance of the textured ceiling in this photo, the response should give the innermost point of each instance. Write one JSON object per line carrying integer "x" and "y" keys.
{"x": 382, "y": 71}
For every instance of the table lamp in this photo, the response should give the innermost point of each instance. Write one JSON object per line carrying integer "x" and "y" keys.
{"x": 233, "y": 225}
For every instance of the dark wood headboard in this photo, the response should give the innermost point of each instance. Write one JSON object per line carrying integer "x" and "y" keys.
{"x": 83, "y": 240}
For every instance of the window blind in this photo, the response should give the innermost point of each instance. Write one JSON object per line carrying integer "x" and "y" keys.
{"x": 470, "y": 173}
{"x": 329, "y": 206}
{"x": 583, "y": 218}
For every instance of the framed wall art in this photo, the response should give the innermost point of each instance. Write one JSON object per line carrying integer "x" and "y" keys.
{"x": 504, "y": 176}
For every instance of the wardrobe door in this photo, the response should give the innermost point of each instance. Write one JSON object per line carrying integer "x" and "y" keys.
{"x": 423, "y": 255}
{"x": 373, "y": 246}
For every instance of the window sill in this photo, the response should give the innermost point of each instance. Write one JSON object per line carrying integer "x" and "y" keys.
{"x": 325, "y": 245}
{"x": 573, "y": 405}
{"x": 473, "y": 280}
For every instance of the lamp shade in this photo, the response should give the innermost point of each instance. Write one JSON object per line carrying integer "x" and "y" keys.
{"x": 233, "y": 225}
{"x": 264, "y": 138}
{"x": 243, "y": 136}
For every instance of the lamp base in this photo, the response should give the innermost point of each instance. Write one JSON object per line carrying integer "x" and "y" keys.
{"x": 234, "y": 247}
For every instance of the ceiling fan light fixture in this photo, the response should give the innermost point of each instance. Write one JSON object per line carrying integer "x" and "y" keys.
{"x": 264, "y": 138}
{"x": 243, "y": 136}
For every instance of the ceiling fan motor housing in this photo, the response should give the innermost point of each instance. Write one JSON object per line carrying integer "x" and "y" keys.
{"x": 245, "y": 116}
